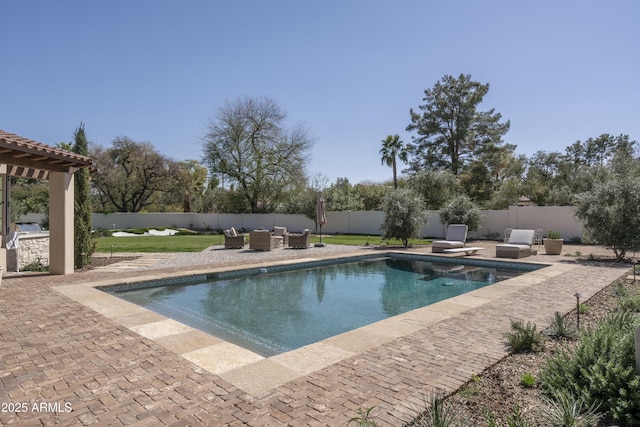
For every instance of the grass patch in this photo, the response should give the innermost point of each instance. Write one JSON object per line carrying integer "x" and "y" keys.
{"x": 198, "y": 243}
{"x": 194, "y": 243}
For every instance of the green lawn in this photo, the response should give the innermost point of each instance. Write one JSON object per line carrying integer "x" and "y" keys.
{"x": 197, "y": 243}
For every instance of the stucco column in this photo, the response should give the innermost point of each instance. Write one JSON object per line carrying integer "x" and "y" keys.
{"x": 60, "y": 223}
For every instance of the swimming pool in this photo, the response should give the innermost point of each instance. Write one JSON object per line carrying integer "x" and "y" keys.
{"x": 277, "y": 309}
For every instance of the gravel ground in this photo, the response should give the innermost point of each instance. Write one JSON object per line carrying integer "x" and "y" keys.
{"x": 498, "y": 390}
{"x": 217, "y": 255}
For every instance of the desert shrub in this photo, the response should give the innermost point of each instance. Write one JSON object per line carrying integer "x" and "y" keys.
{"x": 600, "y": 370}
{"x": 561, "y": 327}
{"x": 627, "y": 299}
{"x": 620, "y": 289}
{"x": 439, "y": 413}
{"x": 364, "y": 418}
{"x": 630, "y": 303}
{"x": 565, "y": 410}
{"x": 523, "y": 337}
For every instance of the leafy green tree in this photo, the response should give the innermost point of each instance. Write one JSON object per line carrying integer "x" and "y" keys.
{"x": 303, "y": 200}
{"x": 477, "y": 182}
{"x": 84, "y": 244}
{"x": 248, "y": 144}
{"x": 189, "y": 187}
{"x": 506, "y": 195}
{"x": 392, "y": 150}
{"x": 404, "y": 215}
{"x": 543, "y": 170}
{"x": 230, "y": 201}
{"x": 507, "y": 185}
{"x": 371, "y": 195}
{"x": 484, "y": 174}
{"x": 435, "y": 187}
{"x": 131, "y": 175}
{"x": 610, "y": 211}
{"x": 28, "y": 196}
{"x": 451, "y": 131}
{"x": 341, "y": 196}
{"x": 462, "y": 210}
{"x": 598, "y": 151}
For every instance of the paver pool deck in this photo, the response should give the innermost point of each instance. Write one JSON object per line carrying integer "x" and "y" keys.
{"x": 71, "y": 354}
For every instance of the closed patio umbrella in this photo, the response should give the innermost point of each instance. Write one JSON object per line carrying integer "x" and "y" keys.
{"x": 321, "y": 218}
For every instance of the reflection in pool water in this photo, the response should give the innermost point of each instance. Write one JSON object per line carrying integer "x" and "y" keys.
{"x": 270, "y": 313}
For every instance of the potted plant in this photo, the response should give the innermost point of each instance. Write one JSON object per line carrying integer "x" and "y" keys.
{"x": 553, "y": 243}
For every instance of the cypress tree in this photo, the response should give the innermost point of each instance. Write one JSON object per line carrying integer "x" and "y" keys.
{"x": 84, "y": 245}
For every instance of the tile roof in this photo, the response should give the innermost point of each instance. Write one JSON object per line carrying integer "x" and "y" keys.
{"x": 28, "y": 158}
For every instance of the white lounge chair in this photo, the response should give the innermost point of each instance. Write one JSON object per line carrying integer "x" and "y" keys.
{"x": 520, "y": 244}
{"x": 456, "y": 236}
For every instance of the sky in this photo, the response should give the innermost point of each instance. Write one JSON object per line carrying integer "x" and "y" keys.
{"x": 158, "y": 71}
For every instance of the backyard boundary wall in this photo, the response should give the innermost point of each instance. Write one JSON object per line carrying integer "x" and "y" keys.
{"x": 557, "y": 218}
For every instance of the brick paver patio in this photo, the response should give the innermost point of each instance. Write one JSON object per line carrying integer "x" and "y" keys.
{"x": 63, "y": 363}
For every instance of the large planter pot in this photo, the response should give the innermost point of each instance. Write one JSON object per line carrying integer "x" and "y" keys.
{"x": 553, "y": 246}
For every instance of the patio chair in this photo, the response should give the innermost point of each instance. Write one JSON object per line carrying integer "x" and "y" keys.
{"x": 233, "y": 240}
{"x": 456, "y": 236}
{"x": 537, "y": 238}
{"x": 300, "y": 240}
{"x": 281, "y": 235}
{"x": 507, "y": 233}
{"x": 520, "y": 244}
{"x": 261, "y": 240}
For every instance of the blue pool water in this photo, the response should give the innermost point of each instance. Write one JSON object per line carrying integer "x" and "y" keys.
{"x": 270, "y": 313}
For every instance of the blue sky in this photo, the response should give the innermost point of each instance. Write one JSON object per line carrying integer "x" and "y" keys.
{"x": 157, "y": 71}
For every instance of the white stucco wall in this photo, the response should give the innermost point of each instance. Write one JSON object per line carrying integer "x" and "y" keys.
{"x": 558, "y": 218}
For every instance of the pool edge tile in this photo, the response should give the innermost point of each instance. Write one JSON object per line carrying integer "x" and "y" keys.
{"x": 222, "y": 357}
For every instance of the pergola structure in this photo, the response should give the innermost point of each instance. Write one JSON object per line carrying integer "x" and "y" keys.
{"x": 25, "y": 158}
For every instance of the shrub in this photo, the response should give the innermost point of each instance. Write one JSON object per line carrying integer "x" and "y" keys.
{"x": 627, "y": 299}
{"x": 404, "y": 215}
{"x": 439, "y": 413}
{"x": 471, "y": 388}
{"x": 528, "y": 380}
{"x": 600, "y": 370}
{"x": 462, "y": 210}
{"x": 566, "y": 410}
{"x": 610, "y": 209}
{"x": 516, "y": 419}
{"x": 583, "y": 308}
{"x": 630, "y": 303}
{"x": 561, "y": 327}
{"x": 36, "y": 266}
{"x": 553, "y": 235}
{"x": 364, "y": 418}
{"x": 523, "y": 337}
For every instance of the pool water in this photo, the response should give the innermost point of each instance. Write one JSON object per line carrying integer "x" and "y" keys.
{"x": 271, "y": 313}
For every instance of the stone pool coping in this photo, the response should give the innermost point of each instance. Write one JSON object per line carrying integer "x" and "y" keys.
{"x": 258, "y": 375}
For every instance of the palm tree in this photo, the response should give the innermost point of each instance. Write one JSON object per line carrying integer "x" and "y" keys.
{"x": 393, "y": 148}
